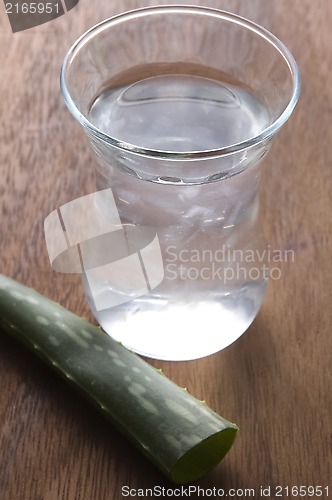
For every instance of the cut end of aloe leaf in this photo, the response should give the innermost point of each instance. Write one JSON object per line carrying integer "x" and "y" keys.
{"x": 203, "y": 457}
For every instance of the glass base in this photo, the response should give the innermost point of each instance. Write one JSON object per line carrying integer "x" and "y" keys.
{"x": 182, "y": 330}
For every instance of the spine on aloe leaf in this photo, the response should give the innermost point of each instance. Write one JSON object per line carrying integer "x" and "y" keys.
{"x": 179, "y": 434}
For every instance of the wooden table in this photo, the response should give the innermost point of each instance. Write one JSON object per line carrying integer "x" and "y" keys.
{"x": 275, "y": 381}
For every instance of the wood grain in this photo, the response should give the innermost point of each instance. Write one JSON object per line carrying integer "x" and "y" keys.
{"x": 275, "y": 381}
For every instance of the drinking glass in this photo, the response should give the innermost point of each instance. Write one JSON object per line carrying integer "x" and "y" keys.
{"x": 179, "y": 105}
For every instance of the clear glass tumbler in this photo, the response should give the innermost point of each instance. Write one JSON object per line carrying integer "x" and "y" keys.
{"x": 179, "y": 105}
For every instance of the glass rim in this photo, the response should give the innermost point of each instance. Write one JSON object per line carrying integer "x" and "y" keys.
{"x": 264, "y": 135}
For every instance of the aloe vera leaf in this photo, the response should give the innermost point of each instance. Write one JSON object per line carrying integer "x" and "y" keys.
{"x": 179, "y": 434}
